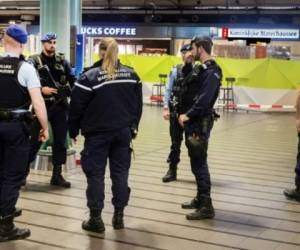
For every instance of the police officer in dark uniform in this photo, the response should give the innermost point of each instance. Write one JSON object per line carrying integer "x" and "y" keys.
{"x": 294, "y": 193}
{"x": 177, "y": 75}
{"x": 106, "y": 105}
{"x": 19, "y": 86}
{"x": 56, "y": 79}
{"x": 200, "y": 93}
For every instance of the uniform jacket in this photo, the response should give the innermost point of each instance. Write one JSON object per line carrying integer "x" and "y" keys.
{"x": 100, "y": 104}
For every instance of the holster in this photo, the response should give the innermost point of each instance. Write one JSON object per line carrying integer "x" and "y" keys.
{"x": 198, "y": 132}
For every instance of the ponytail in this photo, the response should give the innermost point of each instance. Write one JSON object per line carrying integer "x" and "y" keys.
{"x": 110, "y": 60}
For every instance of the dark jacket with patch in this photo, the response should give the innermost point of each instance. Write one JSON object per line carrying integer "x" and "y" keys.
{"x": 99, "y": 104}
{"x": 201, "y": 90}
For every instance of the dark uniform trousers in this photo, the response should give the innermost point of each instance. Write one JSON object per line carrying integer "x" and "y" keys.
{"x": 14, "y": 151}
{"x": 198, "y": 160}
{"x": 297, "y": 169}
{"x": 57, "y": 116}
{"x": 114, "y": 146}
{"x": 176, "y": 134}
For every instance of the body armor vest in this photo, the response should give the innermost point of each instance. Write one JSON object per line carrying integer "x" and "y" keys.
{"x": 193, "y": 83}
{"x": 12, "y": 94}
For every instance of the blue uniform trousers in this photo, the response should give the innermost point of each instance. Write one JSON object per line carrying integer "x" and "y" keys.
{"x": 115, "y": 147}
{"x": 198, "y": 159}
{"x": 14, "y": 151}
{"x": 57, "y": 116}
{"x": 176, "y": 134}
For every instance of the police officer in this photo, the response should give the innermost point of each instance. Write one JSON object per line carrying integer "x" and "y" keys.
{"x": 170, "y": 111}
{"x": 19, "y": 87}
{"x": 106, "y": 105}
{"x": 294, "y": 194}
{"x": 55, "y": 88}
{"x": 197, "y": 117}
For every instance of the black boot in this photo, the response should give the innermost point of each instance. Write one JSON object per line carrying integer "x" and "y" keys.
{"x": 193, "y": 204}
{"x": 117, "y": 219}
{"x": 205, "y": 210}
{"x": 8, "y": 231}
{"x": 171, "y": 175}
{"x": 57, "y": 179}
{"x": 17, "y": 212}
{"x": 293, "y": 194}
{"x": 95, "y": 222}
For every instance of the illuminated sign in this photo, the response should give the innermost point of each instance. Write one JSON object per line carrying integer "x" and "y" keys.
{"x": 108, "y": 31}
{"x": 260, "y": 33}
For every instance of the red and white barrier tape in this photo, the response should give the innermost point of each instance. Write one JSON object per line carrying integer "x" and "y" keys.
{"x": 256, "y": 106}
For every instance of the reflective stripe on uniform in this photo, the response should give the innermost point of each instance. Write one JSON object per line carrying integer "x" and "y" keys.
{"x": 83, "y": 87}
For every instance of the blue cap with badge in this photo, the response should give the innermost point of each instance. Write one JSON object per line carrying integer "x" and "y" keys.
{"x": 17, "y": 32}
{"x": 48, "y": 37}
{"x": 185, "y": 48}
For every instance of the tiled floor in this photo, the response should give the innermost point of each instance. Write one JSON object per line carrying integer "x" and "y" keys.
{"x": 251, "y": 158}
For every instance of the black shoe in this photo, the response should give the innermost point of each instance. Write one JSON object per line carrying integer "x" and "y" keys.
{"x": 58, "y": 180}
{"x": 18, "y": 212}
{"x": 293, "y": 194}
{"x": 205, "y": 211}
{"x": 8, "y": 231}
{"x": 117, "y": 220}
{"x": 95, "y": 222}
{"x": 193, "y": 204}
{"x": 171, "y": 175}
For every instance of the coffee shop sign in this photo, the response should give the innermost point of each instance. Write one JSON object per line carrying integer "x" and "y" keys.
{"x": 108, "y": 31}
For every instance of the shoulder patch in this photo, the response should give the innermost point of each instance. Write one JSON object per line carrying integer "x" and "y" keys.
{"x": 217, "y": 76}
{"x": 82, "y": 77}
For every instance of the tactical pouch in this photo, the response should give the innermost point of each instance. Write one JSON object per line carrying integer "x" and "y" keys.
{"x": 197, "y": 136}
{"x": 197, "y": 146}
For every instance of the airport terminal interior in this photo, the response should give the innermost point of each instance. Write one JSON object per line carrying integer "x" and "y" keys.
{"x": 253, "y": 146}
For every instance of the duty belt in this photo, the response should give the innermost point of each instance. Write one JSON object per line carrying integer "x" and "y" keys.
{"x": 15, "y": 115}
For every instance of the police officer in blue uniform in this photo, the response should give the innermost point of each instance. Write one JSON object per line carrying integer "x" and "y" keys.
{"x": 56, "y": 79}
{"x": 177, "y": 75}
{"x": 19, "y": 87}
{"x": 200, "y": 93}
{"x": 106, "y": 105}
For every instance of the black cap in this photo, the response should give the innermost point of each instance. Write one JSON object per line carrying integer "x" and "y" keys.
{"x": 185, "y": 48}
{"x": 202, "y": 39}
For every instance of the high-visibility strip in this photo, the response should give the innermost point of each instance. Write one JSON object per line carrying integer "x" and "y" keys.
{"x": 83, "y": 87}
